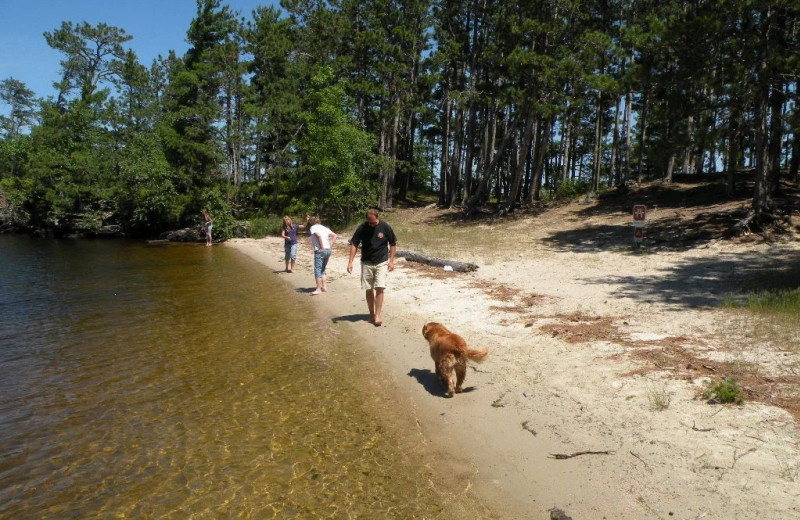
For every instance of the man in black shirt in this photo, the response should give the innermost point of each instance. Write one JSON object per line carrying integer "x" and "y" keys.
{"x": 378, "y": 247}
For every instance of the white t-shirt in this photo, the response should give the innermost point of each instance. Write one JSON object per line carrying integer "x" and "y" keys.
{"x": 319, "y": 229}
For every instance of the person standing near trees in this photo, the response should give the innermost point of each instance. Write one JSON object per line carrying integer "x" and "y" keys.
{"x": 208, "y": 223}
{"x": 289, "y": 235}
{"x": 322, "y": 239}
{"x": 378, "y": 247}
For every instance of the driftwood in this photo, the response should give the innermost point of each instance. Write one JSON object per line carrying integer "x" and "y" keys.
{"x": 561, "y": 456}
{"x": 461, "y": 267}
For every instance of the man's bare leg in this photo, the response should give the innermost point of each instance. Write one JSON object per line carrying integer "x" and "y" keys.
{"x": 371, "y": 305}
{"x": 378, "y": 306}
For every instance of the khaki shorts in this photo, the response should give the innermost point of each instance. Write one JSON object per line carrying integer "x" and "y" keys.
{"x": 374, "y": 276}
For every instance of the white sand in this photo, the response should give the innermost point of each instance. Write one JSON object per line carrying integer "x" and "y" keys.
{"x": 541, "y": 393}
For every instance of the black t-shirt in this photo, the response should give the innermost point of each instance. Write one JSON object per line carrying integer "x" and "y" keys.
{"x": 374, "y": 242}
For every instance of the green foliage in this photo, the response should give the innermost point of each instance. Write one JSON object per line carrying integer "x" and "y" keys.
{"x": 72, "y": 164}
{"x": 91, "y": 56}
{"x": 14, "y": 153}
{"x": 336, "y": 106}
{"x": 147, "y": 198}
{"x": 727, "y": 390}
{"x": 15, "y": 192}
{"x": 570, "y": 189}
{"x": 190, "y": 131}
{"x": 21, "y": 102}
{"x": 211, "y": 199}
{"x": 339, "y": 164}
{"x": 261, "y": 227}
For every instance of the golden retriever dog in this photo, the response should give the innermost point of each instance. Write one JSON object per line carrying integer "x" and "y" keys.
{"x": 449, "y": 352}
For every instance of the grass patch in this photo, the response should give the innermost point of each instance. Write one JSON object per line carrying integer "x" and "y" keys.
{"x": 659, "y": 398}
{"x": 779, "y": 329}
{"x": 788, "y": 470}
{"x": 261, "y": 227}
{"x": 461, "y": 241}
{"x": 726, "y": 391}
{"x": 769, "y": 302}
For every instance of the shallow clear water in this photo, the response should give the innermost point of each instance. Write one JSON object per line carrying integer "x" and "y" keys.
{"x": 179, "y": 381}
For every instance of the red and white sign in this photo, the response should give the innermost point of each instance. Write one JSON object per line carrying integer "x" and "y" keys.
{"x": 638, "y": 234}
{"x": 639, "y": 215}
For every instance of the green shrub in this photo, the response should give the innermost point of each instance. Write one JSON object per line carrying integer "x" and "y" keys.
{"x": 725, "y": 391}
{"x": 261, "y": 227}
{"x": 570, "y": 189}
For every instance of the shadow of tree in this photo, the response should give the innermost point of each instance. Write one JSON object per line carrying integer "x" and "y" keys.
{"x": 679, "y": 195}
{"x": 707, "y": 283}
{"x": 664, "y": 234}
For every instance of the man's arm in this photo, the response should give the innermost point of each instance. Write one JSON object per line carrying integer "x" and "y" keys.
{"x": 353, "y": 251}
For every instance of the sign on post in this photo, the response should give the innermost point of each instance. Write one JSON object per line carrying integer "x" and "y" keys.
{"x": 639, "y": 221}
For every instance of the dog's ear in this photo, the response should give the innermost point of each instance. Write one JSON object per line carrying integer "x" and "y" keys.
{"x": 425, "y": 329}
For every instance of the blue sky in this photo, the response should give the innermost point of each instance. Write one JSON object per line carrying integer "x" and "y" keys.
{"x": 156, "y": 26}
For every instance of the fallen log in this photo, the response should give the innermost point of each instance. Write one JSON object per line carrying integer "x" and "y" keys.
{"x": 461, "y": 267}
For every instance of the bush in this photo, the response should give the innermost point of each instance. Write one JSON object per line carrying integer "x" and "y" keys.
{"x": 225, "y": 226}
{"x": 261, "y": 227}
{"x": 725, "y": 391}
{"x": 570, "y": 188}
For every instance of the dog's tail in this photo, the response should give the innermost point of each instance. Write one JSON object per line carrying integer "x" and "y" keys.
{"x": 478, "y": 356}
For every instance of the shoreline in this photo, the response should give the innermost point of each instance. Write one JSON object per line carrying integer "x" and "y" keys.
{"x": 540, "y": 396}
{"x": 444, "y": 426}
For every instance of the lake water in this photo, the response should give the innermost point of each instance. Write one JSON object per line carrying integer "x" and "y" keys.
{"x": 179, "y": 381}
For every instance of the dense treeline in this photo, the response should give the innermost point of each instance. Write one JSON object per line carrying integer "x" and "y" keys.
{"x": 335, "y": 105}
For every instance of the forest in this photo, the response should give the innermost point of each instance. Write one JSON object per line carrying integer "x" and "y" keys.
{"x": 332, "y": 106}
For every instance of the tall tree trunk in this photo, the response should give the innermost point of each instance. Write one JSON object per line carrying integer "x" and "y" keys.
{"x": 733, "y": 156}
{"x": 777, "y": 99}
{"x": 687, "y": 152}
{"x": 229, "y": 147}
{"x": 764, "y": 131}
{"x": 444, "y": 163}
{"x": 542, "y": 144}
{"x": 258, "y": 144}
{"x": 483, "y": 186}
{"x": 469, "y": 152}
{"x": 530, "y": 123}
{"x": 614, "y": 173}
{"x": 455, "y": 168}
{"x": 670, "y": 168}
{"x": 762, "y": 193}
{"x": 567, "y": 147}
{"x": 794, "y": 161}
{"x": 598, "y": 148}
{"x": 643, "y": 137}
{"x": 627, "y": 128}
{"x": 394, "y": 141}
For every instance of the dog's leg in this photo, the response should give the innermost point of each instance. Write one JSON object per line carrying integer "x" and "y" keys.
{"x": 461, "y": 373}
{"x": 448, "y": 380}
{"x": 447, "y": 374}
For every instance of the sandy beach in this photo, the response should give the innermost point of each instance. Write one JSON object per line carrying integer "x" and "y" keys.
{"x": 590, "y": 401}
